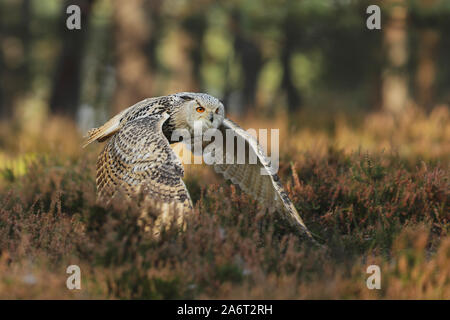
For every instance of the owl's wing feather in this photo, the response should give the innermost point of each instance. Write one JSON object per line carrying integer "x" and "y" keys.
{"x": 105, "y": 131}
{"x": 113, "y": 125}
{"x": 138, "y": 159}
{"x": 265, "y": 188}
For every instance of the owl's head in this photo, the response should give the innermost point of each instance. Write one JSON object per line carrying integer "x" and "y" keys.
{"x": 201, "y": 108}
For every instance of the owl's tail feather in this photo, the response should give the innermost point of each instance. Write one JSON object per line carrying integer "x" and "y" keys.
{"x": 102, "y": 133}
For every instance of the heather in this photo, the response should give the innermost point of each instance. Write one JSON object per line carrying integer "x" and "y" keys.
{"x": 360, "y": 93}
{"x": 372, "y": 190}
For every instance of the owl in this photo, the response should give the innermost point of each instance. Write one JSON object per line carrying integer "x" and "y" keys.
{"x": 137, "y": 156}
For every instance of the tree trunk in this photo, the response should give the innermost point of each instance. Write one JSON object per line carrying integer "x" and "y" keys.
{"x": 251, "y": 61}
{"x": 67, "y": 80}
{"x": 132, "y": 35}
{"x": 395, "y": 93}
{"x": 426, "y": 68}
{"x": 15, "y": 77}
{"x": 4, "y": 112}
{"x": 294, "y": 99}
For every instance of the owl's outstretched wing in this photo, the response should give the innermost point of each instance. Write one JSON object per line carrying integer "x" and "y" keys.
{"x": 265, "y": 188}
{"x": 138, "y": 160}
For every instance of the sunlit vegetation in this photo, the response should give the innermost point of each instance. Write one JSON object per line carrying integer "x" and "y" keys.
{"x": 367, "y": 206}
{"x": 364, "y": 126}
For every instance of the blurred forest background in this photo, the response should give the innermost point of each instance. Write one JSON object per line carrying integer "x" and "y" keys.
{"x": 254, "y": 55}
{"x": 364, "y": 147}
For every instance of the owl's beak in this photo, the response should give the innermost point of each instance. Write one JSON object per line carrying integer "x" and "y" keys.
{"x": 211, "y": 117}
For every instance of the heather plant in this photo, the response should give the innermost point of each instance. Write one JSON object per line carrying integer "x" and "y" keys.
{"x": 365, "y": 206}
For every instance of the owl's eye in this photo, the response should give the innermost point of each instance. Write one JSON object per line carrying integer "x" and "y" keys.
{"x": 200, "y": 109}
{"x": 217, "y": 110}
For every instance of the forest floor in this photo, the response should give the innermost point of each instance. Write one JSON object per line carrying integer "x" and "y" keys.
{"x": 374, "y": 190}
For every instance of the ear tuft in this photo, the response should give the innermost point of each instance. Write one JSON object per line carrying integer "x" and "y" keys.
{"x": 187, "y": 98}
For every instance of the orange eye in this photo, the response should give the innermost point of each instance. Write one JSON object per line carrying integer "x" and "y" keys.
{"x": 217, "y": 110}
{"x": 200, "y": 109}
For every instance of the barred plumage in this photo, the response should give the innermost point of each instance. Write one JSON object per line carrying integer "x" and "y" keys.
{"x": 138, "y": 158}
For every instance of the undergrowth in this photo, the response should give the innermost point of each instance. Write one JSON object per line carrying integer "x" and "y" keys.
{"x": 365, "y": 207}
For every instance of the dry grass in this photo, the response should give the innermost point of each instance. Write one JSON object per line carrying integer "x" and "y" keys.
{"x": 375, "y": 191}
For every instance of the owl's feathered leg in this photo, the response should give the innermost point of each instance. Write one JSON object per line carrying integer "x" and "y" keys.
{"x": 169, "y": 215}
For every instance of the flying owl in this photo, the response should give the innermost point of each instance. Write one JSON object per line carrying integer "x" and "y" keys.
{"x": 137, "y": 156}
